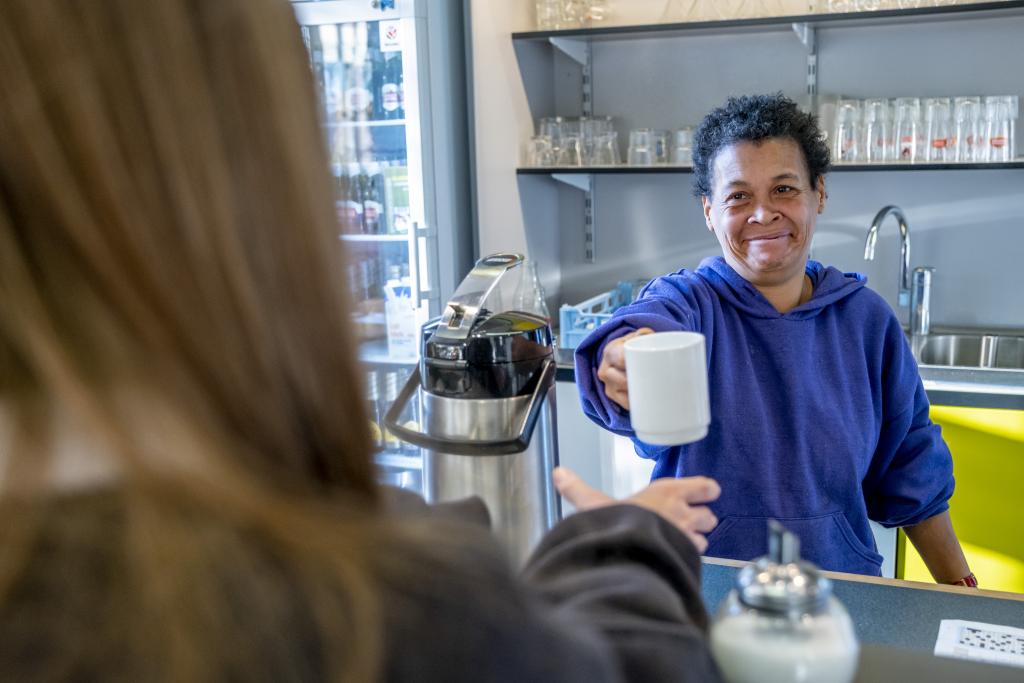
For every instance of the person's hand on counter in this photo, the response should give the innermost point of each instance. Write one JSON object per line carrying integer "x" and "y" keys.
{"x": 680, "y": 501}
{"x": 612, "y": 370}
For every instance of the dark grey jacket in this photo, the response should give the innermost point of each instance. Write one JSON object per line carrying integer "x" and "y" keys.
{"x": 611, "y": 594}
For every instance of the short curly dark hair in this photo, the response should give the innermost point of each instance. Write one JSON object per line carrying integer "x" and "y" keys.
{"x": 754, "y": 118}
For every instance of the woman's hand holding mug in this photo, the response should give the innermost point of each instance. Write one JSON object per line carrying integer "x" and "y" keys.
{"x": 612, "y": 370}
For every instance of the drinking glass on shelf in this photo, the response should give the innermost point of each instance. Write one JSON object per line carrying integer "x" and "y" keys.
{"x": 936, "y": 128}
{"x": 641, "y": 147}
{"x": 877, "y": 130}
{"x": 606, "y": 150}
{"x": 571, "y": 127}
{"x": 569, "y": 153}
{"x": 551, "y": 127}
{"x": 845, "y": 145}
{"x": 587, "y": 127}
{"x": 539, "y": 151}
{"x": 603, "y": 124}
{"x": 661, "y": 142}
{"x": 548, "y": 14}
{"x": 906, "y": 129}
{"x": 590, "y": 128}
{"x": 1013, "y": 113}
{"x": 682, "y": 148}
{"x": 967, "y": 132}
{"x": 1001, "y": 113}
{"x": 596, "y": 12}
{"x": 573, "y": 12}
{"x": 908, "y": 4}
{"x": 836, "y": 6}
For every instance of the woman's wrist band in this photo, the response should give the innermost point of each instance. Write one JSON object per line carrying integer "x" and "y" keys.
{"x": 970, "y": 581}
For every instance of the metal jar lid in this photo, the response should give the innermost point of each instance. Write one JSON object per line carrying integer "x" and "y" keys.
{"x": 507, "y": 337}
{"x": 780, "y": 582}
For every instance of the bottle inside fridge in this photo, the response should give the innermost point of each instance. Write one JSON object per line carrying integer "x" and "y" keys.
{"x": 398, "y": 212}
{"x": 391, "y": 87}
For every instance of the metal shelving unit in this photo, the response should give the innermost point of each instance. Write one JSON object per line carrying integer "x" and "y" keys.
{"x": 578, "y": 44}
{"x": 783, "y": 23}
{"x": 836, "y": 168}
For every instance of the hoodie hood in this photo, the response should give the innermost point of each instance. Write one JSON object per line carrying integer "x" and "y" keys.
{"x": 830, "y": 285}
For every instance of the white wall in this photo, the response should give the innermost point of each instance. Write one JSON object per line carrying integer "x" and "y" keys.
{"x": 502, "y": 121}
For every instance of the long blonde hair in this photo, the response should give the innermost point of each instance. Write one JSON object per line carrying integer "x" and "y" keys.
{"x": 170, "y": 277}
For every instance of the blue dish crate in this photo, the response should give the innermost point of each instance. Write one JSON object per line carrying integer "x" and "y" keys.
{"x": 576, "y": 322}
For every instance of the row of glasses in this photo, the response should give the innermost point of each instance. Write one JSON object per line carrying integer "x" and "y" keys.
{"x": 593, "y": 141}
{"x": 932, "y": 129}
{"x": 560, "y": 14}
{"x": 722, "y": 10}
{"x": 718, "y": 10}
{"x": 873, "y": 5}
{"x": 583, "y": 141}
{"x": 649, "y": 147}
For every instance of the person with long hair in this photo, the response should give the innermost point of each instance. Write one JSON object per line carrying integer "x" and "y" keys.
{"x": 186, "y": 484}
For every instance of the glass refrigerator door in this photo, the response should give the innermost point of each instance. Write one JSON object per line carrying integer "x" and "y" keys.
{"x": 364, "y": 58}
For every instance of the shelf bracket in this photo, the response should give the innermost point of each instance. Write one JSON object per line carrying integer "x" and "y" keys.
{"x": 589, "y": 243}
{"x": 584, "y": 182}
{"x": 576, "y": 49}
{"x": 587, "y": 85}
{"x": 581, "y": 181}
{"x": 807, "y": 35}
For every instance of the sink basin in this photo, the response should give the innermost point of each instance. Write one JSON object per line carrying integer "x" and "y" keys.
{"x": 971, "y": 351}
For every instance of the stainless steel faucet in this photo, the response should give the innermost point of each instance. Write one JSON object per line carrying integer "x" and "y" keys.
{"x": 921, "y": 301}
{"x": 917, "y": 294}
{"x": 869, "y": 247}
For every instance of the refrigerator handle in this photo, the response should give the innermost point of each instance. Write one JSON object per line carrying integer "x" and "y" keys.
{"x": 414, "y": 235}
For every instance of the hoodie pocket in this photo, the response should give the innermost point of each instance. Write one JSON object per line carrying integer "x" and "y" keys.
{"x": 826, "y": 540}
{"x": 856, "y": 544}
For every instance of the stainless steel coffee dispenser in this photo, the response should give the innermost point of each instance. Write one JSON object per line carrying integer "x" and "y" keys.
{"x": 486, "y": 385}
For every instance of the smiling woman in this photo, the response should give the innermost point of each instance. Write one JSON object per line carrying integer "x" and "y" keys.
{"x": 819, "y": 418}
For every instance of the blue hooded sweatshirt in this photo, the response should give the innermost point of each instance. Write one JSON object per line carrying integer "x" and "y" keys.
{"x": 818, "y": 415}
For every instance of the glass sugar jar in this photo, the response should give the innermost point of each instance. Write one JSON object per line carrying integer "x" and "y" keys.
{"x": 782, "y": 623}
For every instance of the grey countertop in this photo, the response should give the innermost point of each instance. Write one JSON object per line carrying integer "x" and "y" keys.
{"x": 949, "y": 386}
{"x": 897, "y": 622}
{"x": 880, "y": 664}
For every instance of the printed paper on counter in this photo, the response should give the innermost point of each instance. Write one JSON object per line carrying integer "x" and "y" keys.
{"x": 981, "y": 642}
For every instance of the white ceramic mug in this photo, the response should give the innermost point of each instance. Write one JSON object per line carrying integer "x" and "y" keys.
{"x": 667, "y": 378}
